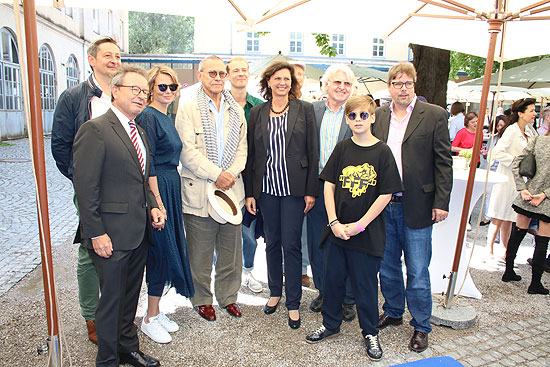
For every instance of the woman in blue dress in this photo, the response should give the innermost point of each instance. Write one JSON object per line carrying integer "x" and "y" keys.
{"x": 167, "y": 261}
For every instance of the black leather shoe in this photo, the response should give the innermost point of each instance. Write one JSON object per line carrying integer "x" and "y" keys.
{"x": 317, "y": 303}
{"x": 419, "y": 342}
{"x": 138, "y": 359}
{"x": 294, "y": 324}
{"x": 510, "y": 277}
{"x": 268, "y": 310}
{"x": 537, "y": 288}
{"x": 320, "y": 334}
{"x": 374, "y": 350}
{"x": 348, "y": 312}
{"x": 386, "y": 321}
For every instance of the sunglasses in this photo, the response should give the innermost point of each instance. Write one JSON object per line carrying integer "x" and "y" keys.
{"x": 364, "y": 116}
{"x": 213, "y": 74}
{"x": 164, "y": 87}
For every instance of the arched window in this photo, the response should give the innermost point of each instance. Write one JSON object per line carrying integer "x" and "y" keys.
{"x": 10, "y": 72}
{"x": 73, "y": 74}
{"x": 47, "y": 77}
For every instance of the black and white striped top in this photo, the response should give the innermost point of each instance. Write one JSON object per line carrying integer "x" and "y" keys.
{"x": 275, "y": 180}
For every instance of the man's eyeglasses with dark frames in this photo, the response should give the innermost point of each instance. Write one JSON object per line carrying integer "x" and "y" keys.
{"x": 135, "y": 90}
{"x": 213, "y": 74}
{"x": 399, "y": 85}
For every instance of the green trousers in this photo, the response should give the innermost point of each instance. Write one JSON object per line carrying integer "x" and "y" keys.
{"x": 88, "y": 281}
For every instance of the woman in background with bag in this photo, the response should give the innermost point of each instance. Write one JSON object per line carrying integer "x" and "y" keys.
{"x": 517, "y": 132}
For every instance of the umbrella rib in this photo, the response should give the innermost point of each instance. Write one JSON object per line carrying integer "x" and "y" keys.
{"x": 406, "y": 19}
{"x": 444, "y": 16}
{"x": 529, "y": 10}
{"x": 238, "y": 10}
{"x": 282, "y": 11}
{"x": 466, "y": 7}
{"x": 535, "y": 5}
{"x": 448, "y": 7}
{"x": 535, "y": 18}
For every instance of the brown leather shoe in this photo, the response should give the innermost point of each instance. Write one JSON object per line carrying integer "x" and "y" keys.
{"x": 306, "y": 280}
{"x": 207, "y": 312}
{"x": 419, "y": 342}
{"x": 90, "y": 325}
{"x": 386, "y": 321}
{"x": 233, "y": 309}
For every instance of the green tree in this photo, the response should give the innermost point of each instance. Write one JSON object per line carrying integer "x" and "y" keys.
{"x": 323, "y": 42}
{"x": 160, "y": 33}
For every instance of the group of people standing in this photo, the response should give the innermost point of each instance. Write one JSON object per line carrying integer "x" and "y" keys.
{"x": 371, "y": 182}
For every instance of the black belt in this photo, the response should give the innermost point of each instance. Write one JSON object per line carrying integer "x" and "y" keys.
{"x": 396, "y": 199}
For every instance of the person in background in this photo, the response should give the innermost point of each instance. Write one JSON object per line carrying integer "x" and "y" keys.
{"x": 76, "y": 105}
{"x": 532, "y": 203}
{"x": 515, "y": 136}
{"x": 338, "y": 82}
{"x": 167, "y": 262}
{"x": 456, "y": 121}
{"x": 545, "y": 118}
{"x": 465, "y": 137}
{"x": 282, "y": 178}
{"x": 238, "y": 74}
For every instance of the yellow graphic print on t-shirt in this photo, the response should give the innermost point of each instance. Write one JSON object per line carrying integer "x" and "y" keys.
{"x": 358, "y": 178}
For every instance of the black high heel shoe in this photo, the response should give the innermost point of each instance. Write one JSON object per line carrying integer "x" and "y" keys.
{"x": 268, "y": 310}
{"x": 294, "y": 324}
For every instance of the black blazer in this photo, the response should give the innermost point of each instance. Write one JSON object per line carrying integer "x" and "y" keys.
{"x": 112, "y": 193}
{"x": 301, "y": 144}
{"x": 426, "y": 158}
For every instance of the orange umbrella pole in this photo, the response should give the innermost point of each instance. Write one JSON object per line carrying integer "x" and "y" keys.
{"x": 36, "y": 135}
{"x": 495, "y": 26}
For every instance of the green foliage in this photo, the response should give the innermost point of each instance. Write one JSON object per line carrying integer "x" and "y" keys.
{"x": 263, "y": 33}
{"x": 5, "y": 144}
{"x": 322, "y": 41}
{"x": 160, "y": 33}
{"x": 475, "y": 65}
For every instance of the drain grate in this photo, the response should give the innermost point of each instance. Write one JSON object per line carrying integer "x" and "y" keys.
{"x": 15, "y": 160}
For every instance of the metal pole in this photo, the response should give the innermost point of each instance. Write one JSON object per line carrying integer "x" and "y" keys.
{"x": 495, "y": 26}
{"x": 36, "y": 135}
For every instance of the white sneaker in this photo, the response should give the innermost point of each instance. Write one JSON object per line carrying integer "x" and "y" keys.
{"x": 251, "y": 283}
{"x": 166, "y": 323}
{"x": 154, "y": 330}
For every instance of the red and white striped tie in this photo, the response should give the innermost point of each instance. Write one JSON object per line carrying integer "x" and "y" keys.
{"x": 134, "y": 137}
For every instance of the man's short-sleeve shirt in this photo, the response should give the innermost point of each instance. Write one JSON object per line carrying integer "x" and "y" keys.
{"x": 360, "y": 175}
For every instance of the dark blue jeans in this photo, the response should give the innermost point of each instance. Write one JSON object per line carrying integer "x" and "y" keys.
{"x": 361, "y": 270}
{"x": 416, "y": 245}
{"x": 283, "y": 217}
{"x": 249, "y": 244}
{"x": 316, "y": 222}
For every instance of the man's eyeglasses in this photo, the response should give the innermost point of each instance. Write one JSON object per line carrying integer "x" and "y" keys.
{"x": 135, "y": 90}
{"x": 399, "y": 85}
{"x": 340, "y": 84}
{"x": 213, "y": 74}
{"x": 164, "y": 87}
{"x": 364, "y": 116}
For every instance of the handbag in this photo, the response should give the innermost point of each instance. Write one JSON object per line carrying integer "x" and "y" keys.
{"x": 528, "y": 165}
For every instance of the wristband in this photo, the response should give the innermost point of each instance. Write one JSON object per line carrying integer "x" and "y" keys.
{"x": 361, "y": 229}
{"x": 333, "y": 223}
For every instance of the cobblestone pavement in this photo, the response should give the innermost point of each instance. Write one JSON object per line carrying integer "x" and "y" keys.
{"x": 19, "y": 240}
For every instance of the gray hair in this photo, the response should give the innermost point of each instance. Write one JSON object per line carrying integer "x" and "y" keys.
{"x": 545, "y": 112}
{"x": 94, "y": 46}
{"x": 332, "y": 70}
{"x": 211, "y": 57}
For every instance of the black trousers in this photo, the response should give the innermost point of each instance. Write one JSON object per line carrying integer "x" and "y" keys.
{"x": 283, "y": 217}
{"x": 120, "y": 278}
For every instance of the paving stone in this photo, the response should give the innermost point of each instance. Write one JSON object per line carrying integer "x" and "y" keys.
{"x": 528, "y": 356}
{"x": 513, "y": 326}
{"x": 517, "y": 358}
{"x": 475, "y": 361}
{"x": 508, "y": 362}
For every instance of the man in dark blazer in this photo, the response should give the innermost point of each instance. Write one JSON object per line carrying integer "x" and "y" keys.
{"x": 418, "y": 136}
{"x": 111, "y": 168}
{"x": 338, "y": 83}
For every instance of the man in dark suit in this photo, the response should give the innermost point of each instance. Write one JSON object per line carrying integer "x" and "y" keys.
{"x": 111, "y": 168}
{"x": 418, "y": 136}
{"x": 338, "y": 83}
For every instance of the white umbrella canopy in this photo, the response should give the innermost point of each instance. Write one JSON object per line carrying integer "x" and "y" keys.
{"x": 533, "y": 75}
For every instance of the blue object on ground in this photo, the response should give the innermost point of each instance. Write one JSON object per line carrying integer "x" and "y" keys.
{"x": 433, "y": 362}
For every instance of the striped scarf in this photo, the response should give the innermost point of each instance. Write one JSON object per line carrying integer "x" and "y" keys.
{"x": 208, "y": 126}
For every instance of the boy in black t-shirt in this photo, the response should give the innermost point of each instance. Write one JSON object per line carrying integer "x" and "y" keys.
{"x": 360, "y": 178}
